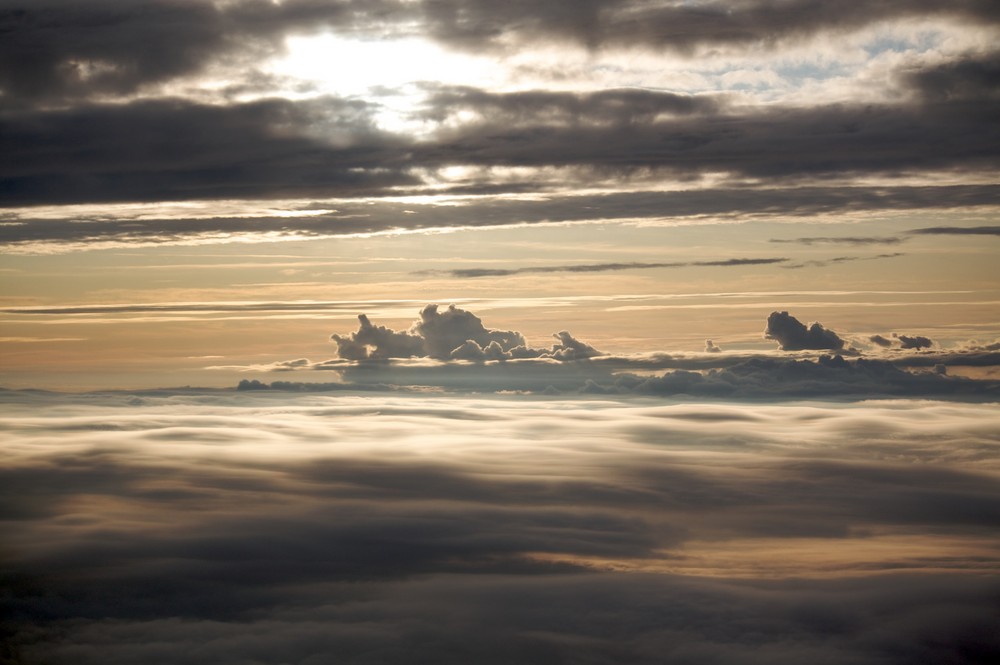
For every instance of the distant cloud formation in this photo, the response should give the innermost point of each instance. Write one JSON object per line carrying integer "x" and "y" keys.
{"x": 914, "y": 341}
{"x": 452, "y": 334}
{"x": 792, "y": 335}
{"x": 880, "y": 340}
{"x": 451, "y": 349}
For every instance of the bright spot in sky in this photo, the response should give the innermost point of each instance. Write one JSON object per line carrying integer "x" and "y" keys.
{"x": 387, "y": 68}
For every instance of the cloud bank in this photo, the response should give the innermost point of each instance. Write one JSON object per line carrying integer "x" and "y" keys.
{"x": 452, "y": 350}
{"x": 230, "y": 527}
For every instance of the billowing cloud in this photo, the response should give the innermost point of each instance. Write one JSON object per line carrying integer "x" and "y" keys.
{"x": 792, "y": 335}
{"x": 454, "y": 334}
{"x": 711, "y": 347}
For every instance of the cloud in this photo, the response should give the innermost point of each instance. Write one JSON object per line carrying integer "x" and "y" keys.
{"x": 819, "y": 263}
{"x": 777, "y": 143}
{"x": 881, "y": 341}
{"x": 27, "y": 234}
{"x": 843, "y": 240}
{"x": 913, "y": 342}
{"x": 678, "y": 27}
{"x": 600, "y": 267}
{"x": 59, "y": 50}
{"x": 793, "y": 335}
{"x": 169, "y": 149}
{"x": 452, "y": 350}
{"x": 222, "y": 527}
{"x": 959, "y": 230}
{"x": 788, "y": 378}
{"x": 454, "y": 334}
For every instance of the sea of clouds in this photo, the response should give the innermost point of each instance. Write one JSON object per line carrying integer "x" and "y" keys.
{"x": 275, "y": 527}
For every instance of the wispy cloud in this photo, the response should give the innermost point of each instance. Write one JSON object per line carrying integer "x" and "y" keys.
{"x": 842, "y": 240}
{"x": 597, "y": 267}
{"x": 959, "y": 230}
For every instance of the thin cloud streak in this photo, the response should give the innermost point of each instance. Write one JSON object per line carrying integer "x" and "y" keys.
{"x": 597, "y": 267}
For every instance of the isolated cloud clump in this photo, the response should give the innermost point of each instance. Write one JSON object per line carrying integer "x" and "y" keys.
{"x": 454, "y": 334}
{"x": 792, "y": 335}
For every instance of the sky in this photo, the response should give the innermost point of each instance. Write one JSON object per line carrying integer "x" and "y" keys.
{"x": 378, "y": 325}
{"x": 190, "y": 185}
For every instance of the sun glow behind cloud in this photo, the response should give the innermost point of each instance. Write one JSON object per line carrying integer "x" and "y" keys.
{"x": 390, "y": 70}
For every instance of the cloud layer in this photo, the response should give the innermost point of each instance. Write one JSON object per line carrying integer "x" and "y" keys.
{"x": 223, "y": 527}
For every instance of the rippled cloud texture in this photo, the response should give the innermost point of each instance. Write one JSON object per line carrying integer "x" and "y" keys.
{"x": 220, "y": 527}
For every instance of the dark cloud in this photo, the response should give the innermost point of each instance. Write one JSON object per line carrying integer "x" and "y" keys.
{"x": 844, "y": 240}
{"x": 973, "y": 77}
{"x": 168, "y": 149}
{"x": 57, "y": 49}
{"x": 959, "y": 230}
{"x": 820, "y": 263}
{"x": 600, "y": 267}
{"x": 913, "y": 342}
{"x": 680, "y": 27}
{"x": 771, "y": 378}
{"x": 711, "y": 347}
{"x": 773, "y": 143}
{"x": 179, "y": 150}
{"x": 881, "y": 341}
{"x": 383, "y": 216}
{"x": 792, "y": 335}
{"x": 452, "y": 334}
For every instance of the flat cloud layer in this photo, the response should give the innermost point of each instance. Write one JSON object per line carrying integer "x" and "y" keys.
{"x": 226, "y": 527}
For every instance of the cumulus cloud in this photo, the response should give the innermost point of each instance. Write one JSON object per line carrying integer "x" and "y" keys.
{"x": 792, "y": 335}
{"x": 452, "y": 334}
{"x": 711, "y": 347}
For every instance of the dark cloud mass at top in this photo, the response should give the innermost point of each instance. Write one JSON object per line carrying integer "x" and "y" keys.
{"x": 58, "y": 48}
{"x": 84, "y": 121}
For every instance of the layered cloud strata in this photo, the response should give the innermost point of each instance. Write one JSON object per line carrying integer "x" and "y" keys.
{"x": 222, "y": 527}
